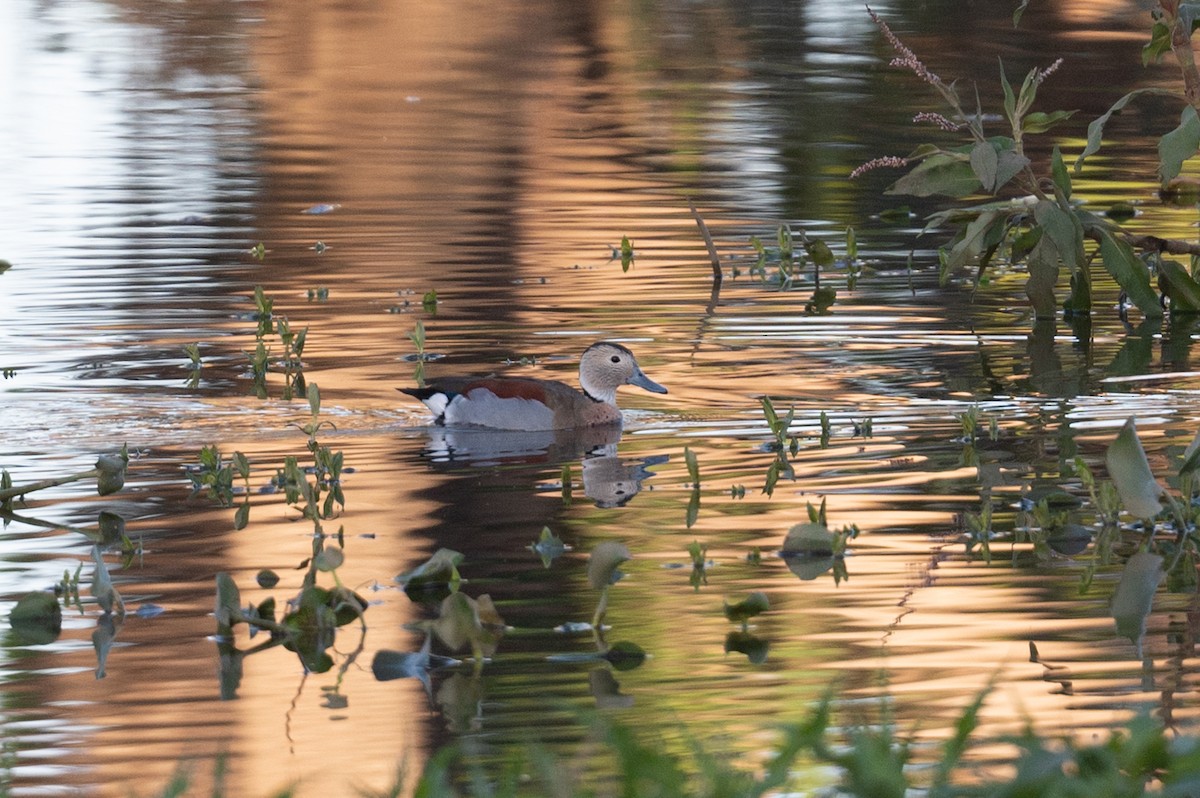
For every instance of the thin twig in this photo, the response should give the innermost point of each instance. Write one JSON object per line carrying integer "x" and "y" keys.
{"x": 718, "y": 274}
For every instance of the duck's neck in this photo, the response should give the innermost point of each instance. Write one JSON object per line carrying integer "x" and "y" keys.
{"x": 597, "y": 394}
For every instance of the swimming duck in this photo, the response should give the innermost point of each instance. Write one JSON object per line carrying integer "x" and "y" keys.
{"x": 521, "y": 403}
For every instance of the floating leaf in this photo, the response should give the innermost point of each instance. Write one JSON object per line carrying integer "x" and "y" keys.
{"x": 754, "y": 604}
{"x": 463, "y": 620}
{"x": 110, "y": 472}
{"x": 603, "y": 563}
{"x": 810, "y": 540}
{"x": 37, "y": 618}
{"x": 1134, "y": 595}
{"x": 625, "y": 656}
{"x": 1130, "y": 473}
{"x": 329, "y": 558}
{"x": 755, "y": 648}
{"x": 1072, "y": 539}
{"x": 549, "y": 547}
{"x": 441, "y": 568}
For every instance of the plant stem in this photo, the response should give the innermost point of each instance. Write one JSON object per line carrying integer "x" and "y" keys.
{"x": 21, "y": 490}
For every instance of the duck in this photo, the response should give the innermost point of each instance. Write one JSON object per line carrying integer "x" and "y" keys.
{"x": 528, "y": 404}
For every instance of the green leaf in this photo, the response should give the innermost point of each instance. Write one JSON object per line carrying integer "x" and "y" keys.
{"x": 1018, "y": 12}
{"x": 1024, "y": 242}
{"x": 1043, "y": 276}
{"x": 1177, "y": 146}
{"x": 329, "y": 558}
{"x": 603, "y": 563}
{"x": 1130, "y": 273}
{"x": 1160, "y": 42}
{"x": 693, "y": 466}
{"x": 1179, "y": 286}
{"x": 314, "y": 399}
{"x": 1130, "y": 472}
{"x": 110, "y": 468}
{"x": 1010, "y": 165}
{"x": 442, "y": 567}
{"x": 242, "y": 517}
{"x": 1058, "y": 169}
{"x": 943, "y": 174}
{"x": 625, "y": 655}
{"x": 1064, "y": 231}
{"x": 984, "y": 161}
{"x": 748, "y": 607}
{"x": 851, "y": 244}
{"x": 37, "y": 618}
{"x": 1039, "y": 122}
{"x": 1134, "y": 596}
{"x": 820, "y": 253}
{"x": 1191, "y": 456}
{"x": 229, "y": 603}
{"x": 463, "y": 620}
{"x": 1010, "y": 100}
{"x": 242, "y": 465}
{"x": 548, "y": 546}
{"x": 1096, "y": 128}
{"x": 974, "y": 238}
{"x": 809, "y": 539}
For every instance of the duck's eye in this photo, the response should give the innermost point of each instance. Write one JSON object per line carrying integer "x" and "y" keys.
{"x": 615, "y": 358}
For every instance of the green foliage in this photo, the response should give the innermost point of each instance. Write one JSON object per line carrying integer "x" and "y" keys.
{"x": 548, "y": 547}
{"x": 1043, "y": 230}
{"x": 625, "y": 252}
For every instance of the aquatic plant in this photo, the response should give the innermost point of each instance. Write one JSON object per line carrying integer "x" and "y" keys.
{"x": 109, "y": 473}
{"x": 857, "y": 760}
{"x": 698, "y": 554}
{"x": 417, "y": 336}
{"x": 1041, "y": 227}
{"x": 625, "y": 253}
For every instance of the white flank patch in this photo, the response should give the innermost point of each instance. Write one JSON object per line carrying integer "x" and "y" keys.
{"x": 436, "y": 403}
{"x": 483, "y": 408}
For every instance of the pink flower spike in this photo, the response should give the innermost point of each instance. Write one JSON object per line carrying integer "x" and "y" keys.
{"x": 891, "y": 161}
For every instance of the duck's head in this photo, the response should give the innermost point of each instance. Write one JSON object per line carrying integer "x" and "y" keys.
{"x": 605, "y": 366}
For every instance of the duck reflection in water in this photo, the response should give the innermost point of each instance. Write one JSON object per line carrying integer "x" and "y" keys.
{"x": 608, "y": 480}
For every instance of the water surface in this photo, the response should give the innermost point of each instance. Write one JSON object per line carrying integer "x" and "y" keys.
{"x": 381, "y": 151}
